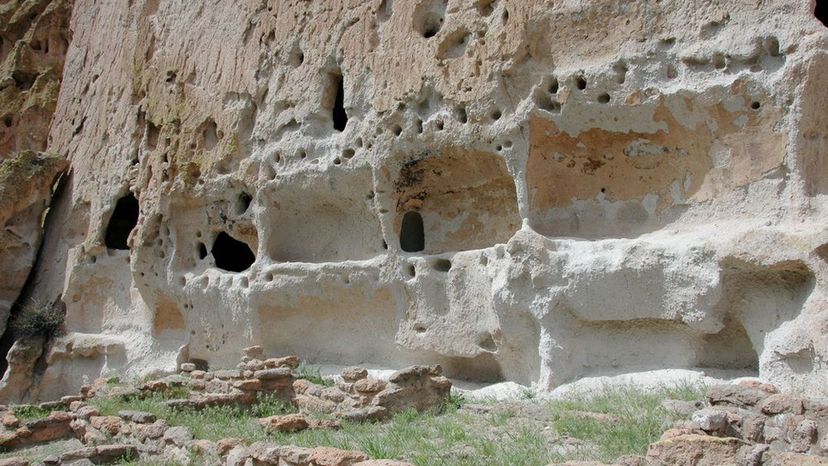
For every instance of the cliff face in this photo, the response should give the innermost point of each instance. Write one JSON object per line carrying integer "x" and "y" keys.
{"x": 517, "y": 190}
{"x": 34, "y": 38}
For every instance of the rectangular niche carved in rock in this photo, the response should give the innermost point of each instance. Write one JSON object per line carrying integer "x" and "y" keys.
{"x": 453, "y": 201}
{"x": 322, "y": 218}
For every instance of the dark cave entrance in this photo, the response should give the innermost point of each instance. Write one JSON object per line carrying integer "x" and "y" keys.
{"x": 821, "y": 11}
{"x": 412, "y": 233}
{"x": 231, "y": 254}
{"x": 340, "y": 118}
{"x": 122, "y": 222}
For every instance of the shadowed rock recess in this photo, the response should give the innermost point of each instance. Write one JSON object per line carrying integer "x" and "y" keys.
{"x": 516, "y": 190}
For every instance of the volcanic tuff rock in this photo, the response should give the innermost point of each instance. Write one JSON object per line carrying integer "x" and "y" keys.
{"x": 516, "y": 190}
{"x": 34, "y": 38}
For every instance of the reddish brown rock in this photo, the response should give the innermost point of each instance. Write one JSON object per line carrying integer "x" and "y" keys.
{"x": 323, "y": 456}
{"x": 291, "y": 362}
{"x": 735, "y": 395}
{"x": 285, "y": 423}
{"x": 776, "y": 458}
{"x": 369, "y": 385}
{"x": 352, "y": 374}
{"x": 766, "y": 387}
{"x": 15, "y": 461}
{"x": 781, "y": 403}
{"x": 224, "y": 445}
{"x": 248, "y": 384}
{"x": 692, "y": 449}
{"x": 254, "y": 352}
{"x": 110, "y": 425}
{"x": 10, "y": 420}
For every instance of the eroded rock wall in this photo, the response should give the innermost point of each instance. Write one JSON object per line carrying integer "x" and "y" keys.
{"x": 34, "y": 38}
{"x": 517, "y": 190}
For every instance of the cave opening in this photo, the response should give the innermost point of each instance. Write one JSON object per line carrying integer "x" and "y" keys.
{"x": 821, "y": 11}
{"x": 202, "y": 251}
{"x": 412, "y": 233}
{"x": 231, "y": 254}
{"x": 122, "y": 222}
{"x": 244, "y": 202}
{"x": 340, "y": 117}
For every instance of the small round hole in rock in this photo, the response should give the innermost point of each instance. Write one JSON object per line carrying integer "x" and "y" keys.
{"x": 7, "y": 121}
{"x": 231, "y": 254}
{"x": 411, "y": 270}
{"x": 462, "y": 117}
{"x": 397, "y": 130}
{"x": 580, "y": 82}
{"x": 441, "y": 265}
{"x": 755, "y": 105}
{"x": 604, "y": 98}
{"x": 496, "y": 115}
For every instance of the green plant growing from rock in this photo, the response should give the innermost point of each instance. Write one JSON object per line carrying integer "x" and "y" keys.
{"x": 38, "y": 319}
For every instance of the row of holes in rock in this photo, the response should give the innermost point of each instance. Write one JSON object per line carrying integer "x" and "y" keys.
{"x": 548, "y": 101}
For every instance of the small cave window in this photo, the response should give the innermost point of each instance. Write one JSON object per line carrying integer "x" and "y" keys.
{"x": 821, "y": 11}
{"x": 122, "y": 222}
{"x": 340, "y": 118}
{"x": 202, "y": 251}
{"x": 412, "y": 233}
{"x": 244, "y": 202}
{"x": 231, "y": 254}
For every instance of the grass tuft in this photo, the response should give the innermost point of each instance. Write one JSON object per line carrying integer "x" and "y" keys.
{"x": 311, "y": 374}
{"x": 618, "y": 420}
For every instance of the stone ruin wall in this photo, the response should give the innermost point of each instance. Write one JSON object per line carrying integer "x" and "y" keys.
{"x": 517, "y": 190}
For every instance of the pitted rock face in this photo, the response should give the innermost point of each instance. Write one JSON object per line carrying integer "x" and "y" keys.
{"x": 512, "y": 189}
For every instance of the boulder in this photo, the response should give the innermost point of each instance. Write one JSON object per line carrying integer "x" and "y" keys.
{"x": 700, "y": 450}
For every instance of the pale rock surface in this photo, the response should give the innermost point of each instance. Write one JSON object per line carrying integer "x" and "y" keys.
{"x": 34, "y": 38}
{"x": 524, "y": 191}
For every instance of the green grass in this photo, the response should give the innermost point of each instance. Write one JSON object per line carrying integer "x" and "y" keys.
{"x": 311, "y": 374}
{"x": 445, "y": 436}
{"x": 31, "y": 412}
{"x": 211, "y": 423}
{"x": 607, "y": 424}
{"x": 632, "y": 419}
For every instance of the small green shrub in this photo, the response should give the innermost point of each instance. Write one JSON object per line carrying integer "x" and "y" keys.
{"x": 455, "y": 401}
{"x": 38, "y": 318}
{"x": 311, "y": 374}
{"x": 29, "y": 412}
{"x": 268, "y": 405}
